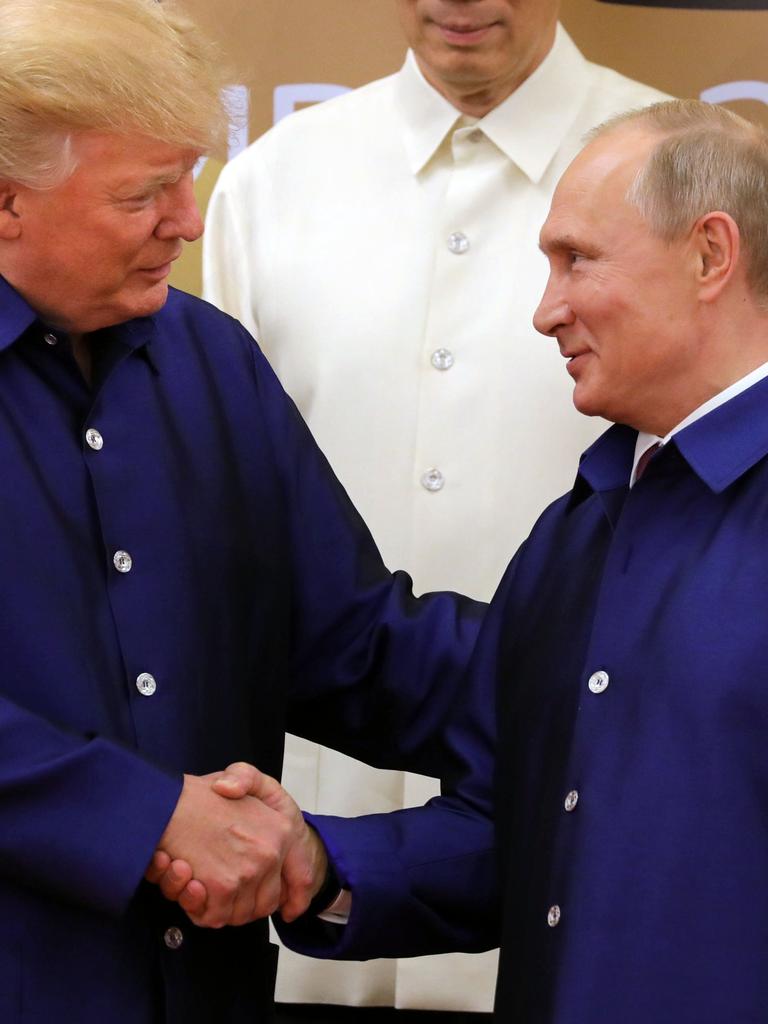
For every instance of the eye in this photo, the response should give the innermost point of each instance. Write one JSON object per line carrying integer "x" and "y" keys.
{"x": 139, "y": 200}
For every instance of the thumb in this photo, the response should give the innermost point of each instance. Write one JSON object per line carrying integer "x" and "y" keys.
{"x": 243, "y": 779}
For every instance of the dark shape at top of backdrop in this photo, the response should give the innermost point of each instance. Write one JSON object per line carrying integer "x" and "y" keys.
{"x": 697, "y": 5}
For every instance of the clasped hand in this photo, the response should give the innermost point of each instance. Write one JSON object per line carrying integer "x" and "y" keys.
{"x": 236, "y": 849}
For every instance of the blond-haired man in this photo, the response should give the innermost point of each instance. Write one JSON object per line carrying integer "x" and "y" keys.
{"x": 180, "y": 572}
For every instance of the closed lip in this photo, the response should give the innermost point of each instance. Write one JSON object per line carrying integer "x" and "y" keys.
{"x": 574, "y": 354}
{"x": 572, "y": 357}
{"x": 463, "y": 32}
{"x": 159, "y": 269}
{"x": 463, "y": 26}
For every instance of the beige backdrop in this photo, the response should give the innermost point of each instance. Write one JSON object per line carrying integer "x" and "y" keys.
{"x": 272, "y": 43}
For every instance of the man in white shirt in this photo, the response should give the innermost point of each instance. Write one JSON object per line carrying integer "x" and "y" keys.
{"x": 382, "y": 247}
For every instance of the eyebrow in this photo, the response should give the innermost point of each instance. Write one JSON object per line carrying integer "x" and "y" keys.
{"x": 161, "y": 178}
{"x": 168, "y": 177}
{"x": 559, "y": 243}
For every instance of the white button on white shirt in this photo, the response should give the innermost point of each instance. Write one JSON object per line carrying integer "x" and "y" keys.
{"x": 433, "y": 480}
{"x": 598, "y": 681}
{"x": 94, "y": 439}
{"x": 458, "y": 243}
{"x": 442, "y": 359}
{"x": 122, "y": 561}
{"x": 146, "y": 684}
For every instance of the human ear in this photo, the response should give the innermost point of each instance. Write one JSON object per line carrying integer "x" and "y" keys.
{"x": 718, "y": 247}
{"x": 10, "y": 222}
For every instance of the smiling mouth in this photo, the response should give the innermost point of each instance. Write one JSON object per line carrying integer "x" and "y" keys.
{"x": 456, "y": 26}
{"x": 574, "y": 360}
{"x": 460, "y": 32}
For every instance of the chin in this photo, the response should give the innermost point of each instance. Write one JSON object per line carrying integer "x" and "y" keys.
{"x": 588, "y": 405}
{"x": 150, "y": 302}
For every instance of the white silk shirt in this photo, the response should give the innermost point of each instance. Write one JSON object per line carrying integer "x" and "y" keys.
{"x": 383, "y": 249}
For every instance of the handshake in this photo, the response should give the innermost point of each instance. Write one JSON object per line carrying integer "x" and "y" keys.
{"x": 236, "y": 849}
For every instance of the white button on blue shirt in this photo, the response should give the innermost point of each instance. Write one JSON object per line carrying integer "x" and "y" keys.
{"x": 598, "y": 681}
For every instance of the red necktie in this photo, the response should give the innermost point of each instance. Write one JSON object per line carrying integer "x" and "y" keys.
{"x": 645, "y": 458}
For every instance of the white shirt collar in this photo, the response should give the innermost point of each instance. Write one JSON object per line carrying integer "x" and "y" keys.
{"x": 646, "y": 441}
{"x": 426, "y": 115}
{"x": 517, "y": 126}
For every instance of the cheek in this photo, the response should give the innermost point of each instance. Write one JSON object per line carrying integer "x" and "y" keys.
{"x": 617, "y": 319}
{"x": 598, "y": 314}
{"x": 126, "y": 251}
{"x": 111, "y": 267}
{"x": 410, "y": 21}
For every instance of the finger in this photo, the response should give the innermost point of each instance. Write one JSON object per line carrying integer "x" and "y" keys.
{"x": 157, "y": 866}
{"x": 296, "y": 904}
{"x": 267, "y": 897}
{"x": 238, "y": 780}
{"x": 175, "y": 879}
{"x": 193, "y": 897}
{"x": 246, "y": 905}
{"x": 242, "y": 779}
{"x": 217, "y": 908}
{"x": 304, "y": 872}
{"x": 259, "y": 897}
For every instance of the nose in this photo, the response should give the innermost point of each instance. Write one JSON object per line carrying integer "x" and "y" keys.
{"x": 553, "y": 310}
{"x": 181, "y": 217}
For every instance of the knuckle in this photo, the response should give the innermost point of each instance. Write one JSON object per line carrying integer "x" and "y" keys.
{"x": 221, "y": 889}
{"x": 260, "y": 870}
{"x": 266, "y": 850}
{"x": 217, "y": 914}
{"x": 244, "y": 916}
{"x": 271, "y": 858}
{"x": 265, "y": 907}
{"x": 285, "y": 827}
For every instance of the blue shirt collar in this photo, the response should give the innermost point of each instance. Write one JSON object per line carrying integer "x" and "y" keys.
{"x": 719, "y": 448}
{"x": 16, "y": 316}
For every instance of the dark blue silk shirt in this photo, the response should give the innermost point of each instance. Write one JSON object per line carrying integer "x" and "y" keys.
{"x": 181, "y": 577}
{"x": 628, "y": 644}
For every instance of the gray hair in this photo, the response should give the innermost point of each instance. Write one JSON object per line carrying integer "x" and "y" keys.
{"x": 707, "y": 159}
{"x": 121, "y": 66}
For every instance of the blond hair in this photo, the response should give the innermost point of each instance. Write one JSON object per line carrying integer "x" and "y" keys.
{"x": 124, "y": 66}
{"x": 707, "y": 159}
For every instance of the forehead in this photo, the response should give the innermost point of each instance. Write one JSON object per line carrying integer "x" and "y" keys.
{"x": 591, "y": 195}
{"x": 105, "y": 159}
